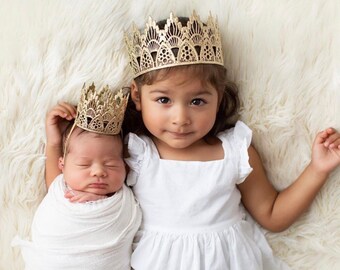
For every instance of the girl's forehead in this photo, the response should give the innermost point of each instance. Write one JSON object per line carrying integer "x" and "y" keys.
{"x": 182, "y": 79}
{"x": 189, "y": 71}
{"x": 184, "y": 88}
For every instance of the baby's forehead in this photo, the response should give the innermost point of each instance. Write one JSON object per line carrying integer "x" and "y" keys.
{"x": 83, "y": 137}
{"x": 82, "y": 132}
{"x": 102, "y": 137}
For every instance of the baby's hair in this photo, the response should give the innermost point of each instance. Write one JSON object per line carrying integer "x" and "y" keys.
{"x": 66, "y": 136}
{"x": 215, "y": 75}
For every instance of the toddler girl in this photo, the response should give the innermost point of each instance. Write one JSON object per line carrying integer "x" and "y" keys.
{"x": 191, "y": 166}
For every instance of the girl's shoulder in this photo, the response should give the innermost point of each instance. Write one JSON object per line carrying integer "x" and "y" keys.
{"x": 239, "y": 134}
{"x": 139, "y": 149}
{"x": 137, "y": 144}
{"x": 236, "y": 142}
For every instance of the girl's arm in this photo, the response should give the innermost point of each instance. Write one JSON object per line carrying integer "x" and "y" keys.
{"x": 55, "y": 126}
{"x": 276, "y": 211}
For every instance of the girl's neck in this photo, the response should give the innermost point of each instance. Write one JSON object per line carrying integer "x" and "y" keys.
{"x": 203, "y": 150}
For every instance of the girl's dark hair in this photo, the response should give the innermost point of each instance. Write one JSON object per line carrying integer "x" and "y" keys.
{"x": 212, "y": 74}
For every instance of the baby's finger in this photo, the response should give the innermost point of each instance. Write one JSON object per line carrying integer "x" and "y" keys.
{"x": 68, "y": 194}
{"x": 68, "y": 108}
{"x": 75, "y": 198}
{"x": 61, "y": 112}
{"x": 81, "y": 199}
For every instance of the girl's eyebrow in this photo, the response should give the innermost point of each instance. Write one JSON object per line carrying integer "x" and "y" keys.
{"x": 159, "y": 91}
{"x": 203, "y": 92}
{"x": 165, "y": 91}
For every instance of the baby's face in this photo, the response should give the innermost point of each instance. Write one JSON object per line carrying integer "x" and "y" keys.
{"x": 94, "y": 163}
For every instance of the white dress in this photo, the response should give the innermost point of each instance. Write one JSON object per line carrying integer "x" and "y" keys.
{"x": 192, "y": 218}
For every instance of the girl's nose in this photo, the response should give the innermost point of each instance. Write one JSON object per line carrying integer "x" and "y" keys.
{"x": 180, "y": 116}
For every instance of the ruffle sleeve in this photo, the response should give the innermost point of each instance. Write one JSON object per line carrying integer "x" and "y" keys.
{"x": 242, "y": 136}
{"x": 136, "y": 148}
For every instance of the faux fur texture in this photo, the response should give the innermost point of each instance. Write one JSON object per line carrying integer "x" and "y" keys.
{"x": 284, "y": 56}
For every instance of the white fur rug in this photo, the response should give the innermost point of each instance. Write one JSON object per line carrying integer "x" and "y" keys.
{"x": 284, "y": 55}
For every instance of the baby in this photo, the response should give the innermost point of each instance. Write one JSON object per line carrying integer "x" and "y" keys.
{"x": 97, "y": 234}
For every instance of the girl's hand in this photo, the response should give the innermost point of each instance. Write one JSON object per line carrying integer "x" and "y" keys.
{"x": 82, "y": 197}
{"x": 57, "y": 121}
{"x": 326, "y": 151}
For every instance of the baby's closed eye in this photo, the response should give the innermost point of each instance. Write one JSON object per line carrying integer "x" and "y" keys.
{"x": 83, "y": 165}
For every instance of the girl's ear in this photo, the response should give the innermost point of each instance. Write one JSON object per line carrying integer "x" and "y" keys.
{"x": 61, "y": 164}
{"x": 135, "y": 96}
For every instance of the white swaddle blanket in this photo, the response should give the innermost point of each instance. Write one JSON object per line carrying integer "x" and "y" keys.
{"x": 96, "y": 235}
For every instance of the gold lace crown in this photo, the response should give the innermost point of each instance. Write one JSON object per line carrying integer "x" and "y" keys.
{"x": 101, "y": 112}
{"x": 175, "y": 45}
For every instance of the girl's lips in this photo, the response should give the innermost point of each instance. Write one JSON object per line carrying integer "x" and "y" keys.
{"x": 180, "y": 134}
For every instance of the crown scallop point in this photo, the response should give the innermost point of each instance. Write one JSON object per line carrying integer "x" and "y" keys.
{"x": 101, "y": 111}
{"x": 175, "y": 45}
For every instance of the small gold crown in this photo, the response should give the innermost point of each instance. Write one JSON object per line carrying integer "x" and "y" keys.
{"x": 101, "y": 112}
{"x": 175, "y": 45}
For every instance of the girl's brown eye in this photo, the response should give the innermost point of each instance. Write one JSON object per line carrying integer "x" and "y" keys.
{"x": 163, "y": 100}
{"x": 197, "y": 102}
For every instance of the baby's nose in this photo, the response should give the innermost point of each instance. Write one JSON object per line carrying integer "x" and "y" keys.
{"x": 98, "y": 170}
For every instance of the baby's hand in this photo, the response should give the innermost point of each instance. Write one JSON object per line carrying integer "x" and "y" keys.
{"x": 57, "y": 121}
{"x": 326, "y": 150}
{"x": 82, "y": 197}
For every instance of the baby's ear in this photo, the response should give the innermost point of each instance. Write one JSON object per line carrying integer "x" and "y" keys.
{"x": 61, "y": 164}
{"x": 135, "y": 96}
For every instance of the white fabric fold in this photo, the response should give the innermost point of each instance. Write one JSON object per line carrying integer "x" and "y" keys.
{"x": 95, "y": 235}
{"x": 242, "y": 136}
